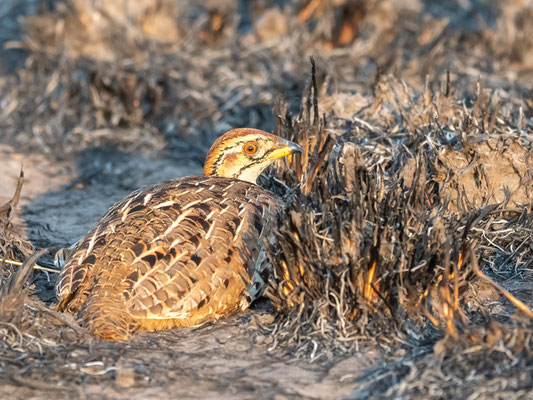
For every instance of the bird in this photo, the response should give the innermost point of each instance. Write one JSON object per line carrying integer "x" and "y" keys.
{"x": 183, "y": 252}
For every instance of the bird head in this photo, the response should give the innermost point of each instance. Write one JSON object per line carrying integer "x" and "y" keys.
{"x": 244, "y": 153}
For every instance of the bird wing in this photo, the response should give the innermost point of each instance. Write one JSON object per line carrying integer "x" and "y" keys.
{"x": 175, "y": 248}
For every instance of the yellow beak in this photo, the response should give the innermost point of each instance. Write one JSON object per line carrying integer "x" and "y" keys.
{"x": 286, "y": 147}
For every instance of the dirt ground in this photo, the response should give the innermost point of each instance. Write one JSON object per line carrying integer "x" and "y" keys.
{"x": 426, "y": 170}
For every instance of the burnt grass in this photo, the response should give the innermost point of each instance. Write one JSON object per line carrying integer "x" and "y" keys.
{"x": 403, "y": 265}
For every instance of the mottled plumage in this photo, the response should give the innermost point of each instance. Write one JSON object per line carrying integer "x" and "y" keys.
{"x": 179, "y": 253}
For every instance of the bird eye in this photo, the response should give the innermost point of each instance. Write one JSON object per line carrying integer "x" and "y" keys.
{"x": 250, "y": 148}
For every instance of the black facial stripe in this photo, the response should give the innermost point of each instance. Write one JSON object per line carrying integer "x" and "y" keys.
{"x": 255, "y": 162}
{"x": 221, "y": 154}
{"x": 267, "y": 153}
{"x": 242, "y": 170}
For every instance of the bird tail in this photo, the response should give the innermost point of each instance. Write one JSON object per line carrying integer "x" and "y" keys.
{"x": 105, "y": 316}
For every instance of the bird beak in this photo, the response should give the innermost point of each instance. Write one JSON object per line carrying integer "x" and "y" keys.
{"x": 286, "y": 147}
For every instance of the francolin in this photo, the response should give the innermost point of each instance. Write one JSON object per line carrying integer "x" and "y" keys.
{"x": 182, "y": 252}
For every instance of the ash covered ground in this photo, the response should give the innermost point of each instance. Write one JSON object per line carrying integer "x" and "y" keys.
{"x": 403, "y": 267}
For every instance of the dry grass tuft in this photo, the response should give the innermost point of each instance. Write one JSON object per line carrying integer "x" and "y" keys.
{"x": 15, "y": 319}
{"x": 13, "y": 294}
{"x": 382, "y": 237}
{"x": 13, "y": 246}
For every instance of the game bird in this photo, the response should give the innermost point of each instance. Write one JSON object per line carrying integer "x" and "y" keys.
{"x": 182, "y": 252}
